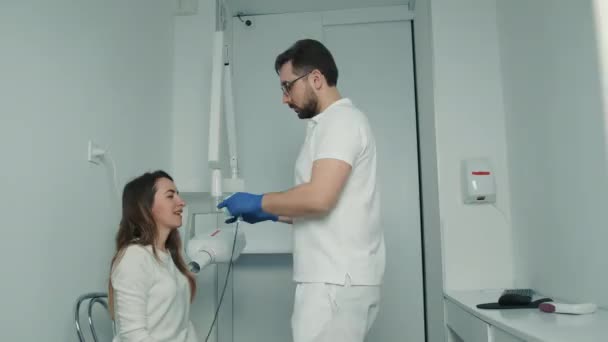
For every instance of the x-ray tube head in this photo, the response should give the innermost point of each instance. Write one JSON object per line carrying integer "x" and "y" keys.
{"x": 215, "y": 248}
{"x": 202, "y": 260}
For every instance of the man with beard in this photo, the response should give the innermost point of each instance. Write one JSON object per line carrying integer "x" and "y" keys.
{"x": 338, "y": 255}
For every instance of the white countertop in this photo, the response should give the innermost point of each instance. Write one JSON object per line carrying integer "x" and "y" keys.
{"x": 533, "y": 324}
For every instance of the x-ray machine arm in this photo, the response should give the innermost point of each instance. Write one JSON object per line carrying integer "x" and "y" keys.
{"x": 217, "y": 247}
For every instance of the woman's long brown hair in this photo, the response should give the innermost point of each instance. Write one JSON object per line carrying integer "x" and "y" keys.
{"x": 137, "y": 227}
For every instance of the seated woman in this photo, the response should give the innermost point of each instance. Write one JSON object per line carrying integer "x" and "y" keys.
{"x": 150, "y": 287}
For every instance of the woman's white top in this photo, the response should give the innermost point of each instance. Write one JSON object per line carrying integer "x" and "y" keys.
{"x": 151, "y": 298}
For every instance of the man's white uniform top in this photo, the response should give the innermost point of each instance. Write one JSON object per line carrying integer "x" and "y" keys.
{"x": 348, "y": 241}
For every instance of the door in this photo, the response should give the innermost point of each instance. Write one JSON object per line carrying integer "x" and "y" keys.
{"x": 376, "y": 73}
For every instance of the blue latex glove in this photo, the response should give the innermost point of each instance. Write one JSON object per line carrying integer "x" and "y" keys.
{"x": 246, "y": 205}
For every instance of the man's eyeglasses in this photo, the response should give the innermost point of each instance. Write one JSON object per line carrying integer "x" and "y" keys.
{"x": 287, "y": 85}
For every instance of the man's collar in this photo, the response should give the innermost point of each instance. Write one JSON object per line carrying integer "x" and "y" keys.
{"x": 317, "y": 118}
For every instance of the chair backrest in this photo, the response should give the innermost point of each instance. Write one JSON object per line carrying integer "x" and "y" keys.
{"x": 92, "y": 298}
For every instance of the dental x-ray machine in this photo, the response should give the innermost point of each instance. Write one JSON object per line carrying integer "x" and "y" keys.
{"x": 217, "y": 245}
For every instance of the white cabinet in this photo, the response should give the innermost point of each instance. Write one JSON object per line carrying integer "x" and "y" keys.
{"x": 471, "y": 324}
{"x": 502, "y": 336}
{"x": 468, "y": 327}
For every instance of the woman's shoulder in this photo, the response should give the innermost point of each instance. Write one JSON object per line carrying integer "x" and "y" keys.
{"x": 133, "y": 262}
{"x": 136, "y": 249}
{"x": 136, "y": 254}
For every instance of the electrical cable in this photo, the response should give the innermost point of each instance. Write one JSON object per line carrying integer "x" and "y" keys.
{"x": 507, "y": 221}
{"x": 114, "y": 177}
{"x": 107, "y": 156}
{"x": 219, "y": 305}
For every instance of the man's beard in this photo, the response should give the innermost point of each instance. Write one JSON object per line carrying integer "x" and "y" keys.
{"x": 309, "y": 109}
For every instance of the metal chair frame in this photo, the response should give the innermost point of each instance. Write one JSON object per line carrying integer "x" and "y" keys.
{"x": 93, "y": 298}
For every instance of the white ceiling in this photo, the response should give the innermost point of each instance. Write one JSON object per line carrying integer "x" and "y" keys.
{"x": 253, "y": 7}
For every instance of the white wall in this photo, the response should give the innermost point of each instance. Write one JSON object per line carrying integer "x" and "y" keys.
{"x": 191, "y": 93}
{"x": 557, "y": 148}
{"x": 192, "y": 68}
{"x": 469, "y": 120}
{"x": 72, "y": 71}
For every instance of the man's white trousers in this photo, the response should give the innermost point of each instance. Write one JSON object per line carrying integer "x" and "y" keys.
{"x": 333, "y": 313}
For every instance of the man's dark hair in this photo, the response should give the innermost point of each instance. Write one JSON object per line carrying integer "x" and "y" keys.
{"x": 307, "y": 55}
